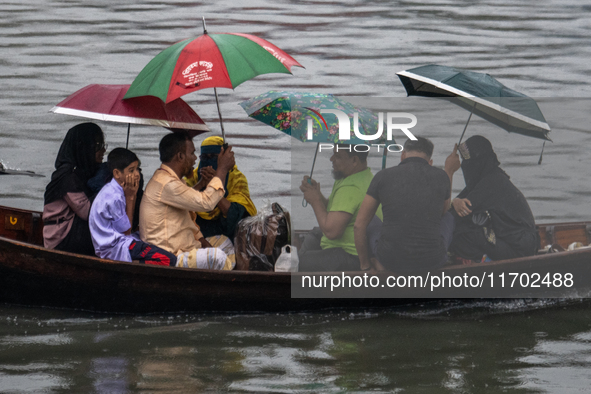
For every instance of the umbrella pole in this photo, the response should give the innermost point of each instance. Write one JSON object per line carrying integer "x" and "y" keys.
{"x": 304, "y": 202}
{"x": 128, "y": 129}
{"x": 541, "y": 153}
{"x": 217, "y": 101}
{"x": 314, "y": 162}
{"x": 465, "y": 127}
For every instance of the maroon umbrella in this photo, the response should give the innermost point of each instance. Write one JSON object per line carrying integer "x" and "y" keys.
{"x": 105, "y": 102}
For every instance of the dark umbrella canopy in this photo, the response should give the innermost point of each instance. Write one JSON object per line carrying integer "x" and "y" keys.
{"x": 481, "y": 94}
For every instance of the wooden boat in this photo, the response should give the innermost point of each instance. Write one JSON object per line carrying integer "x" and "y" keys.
{"x": 33, "y": 275}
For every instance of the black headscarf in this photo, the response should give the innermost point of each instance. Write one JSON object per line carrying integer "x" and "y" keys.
{"x": 479, "y": 160}
{"x": 76, "y": 161}
{"x": 498, "y": 208}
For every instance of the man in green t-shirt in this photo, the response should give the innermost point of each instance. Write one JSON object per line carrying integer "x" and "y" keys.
{"x": 331, "y": 246}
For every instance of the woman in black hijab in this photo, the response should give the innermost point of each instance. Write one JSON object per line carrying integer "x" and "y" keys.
{"x": 492, "y": 216}
{"x": 68, "y": 196}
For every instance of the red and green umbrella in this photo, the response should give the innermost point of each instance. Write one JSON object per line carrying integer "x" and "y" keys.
{"x": 212, "y": 60}
{"x": 209, "y": 61}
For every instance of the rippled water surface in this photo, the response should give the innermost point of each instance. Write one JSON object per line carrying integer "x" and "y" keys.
{"x": 49, "y": 49}
{"x": 511, "y": 346}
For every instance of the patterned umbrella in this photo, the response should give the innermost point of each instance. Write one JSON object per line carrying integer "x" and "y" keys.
{"x": 290, "y": 113}
{"x": 294, "y": 113}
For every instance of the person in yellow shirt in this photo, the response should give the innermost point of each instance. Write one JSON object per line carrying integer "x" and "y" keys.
{"x": 234, "y": 206}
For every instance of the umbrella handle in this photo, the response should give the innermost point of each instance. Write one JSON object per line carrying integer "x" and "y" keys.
{"x": 304, "y": 202}
{"x": 128, "y": 129}
{"x": 541, "y": 153}
{"x": 217, "y": 101}
{"x": 466, "y": 126}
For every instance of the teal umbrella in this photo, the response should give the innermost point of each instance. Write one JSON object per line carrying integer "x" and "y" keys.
{"x": 303, "y": 116}
{"x": 291, "y": 112}
{"x": 480, "y": 94}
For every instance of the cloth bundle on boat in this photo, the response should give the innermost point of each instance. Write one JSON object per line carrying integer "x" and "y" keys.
{"x": 260, "y": 238}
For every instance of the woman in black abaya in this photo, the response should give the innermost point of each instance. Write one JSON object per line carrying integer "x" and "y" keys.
{"x": 68, "y": 196}
{"x": 492, "y": 216}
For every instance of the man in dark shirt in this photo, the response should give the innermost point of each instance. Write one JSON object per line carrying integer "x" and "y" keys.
{"x": 414, "y": 197}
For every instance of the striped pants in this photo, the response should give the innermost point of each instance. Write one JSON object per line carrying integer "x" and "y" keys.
{"x": 219, "y": 257}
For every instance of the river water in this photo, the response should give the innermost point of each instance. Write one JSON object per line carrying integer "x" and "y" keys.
{"x": 49, "y": 49}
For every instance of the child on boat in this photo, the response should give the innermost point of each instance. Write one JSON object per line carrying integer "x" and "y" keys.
{"x": 112, "y": 213}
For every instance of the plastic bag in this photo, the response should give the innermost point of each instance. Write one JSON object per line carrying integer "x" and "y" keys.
{"x": 259, "y": 238}
{"x": 288, "y": 260}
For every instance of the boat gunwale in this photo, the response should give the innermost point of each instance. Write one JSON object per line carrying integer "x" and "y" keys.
{"x": 74, "y": 281}
{"x": 209, "y": 274}
{"x": 145, "y": 269}
{"x": 233, "y": 275}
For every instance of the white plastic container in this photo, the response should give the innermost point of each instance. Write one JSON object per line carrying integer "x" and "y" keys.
{"x": 288, "y": 260}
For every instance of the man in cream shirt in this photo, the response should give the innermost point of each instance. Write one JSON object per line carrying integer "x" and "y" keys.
{"x": 166, "y": 212}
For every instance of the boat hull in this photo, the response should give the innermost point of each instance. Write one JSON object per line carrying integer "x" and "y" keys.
{"x": 33, "y": 275}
